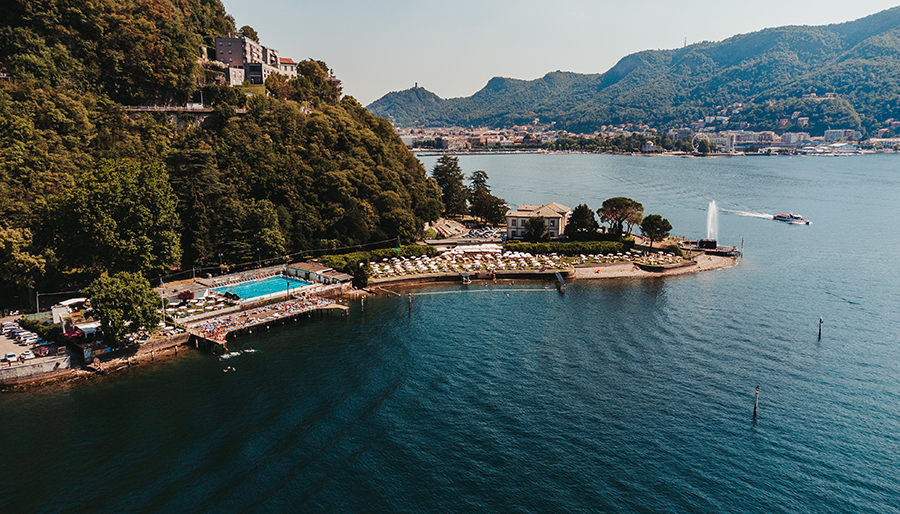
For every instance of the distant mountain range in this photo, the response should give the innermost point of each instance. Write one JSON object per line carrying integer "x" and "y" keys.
{"x": 774, "y": 79}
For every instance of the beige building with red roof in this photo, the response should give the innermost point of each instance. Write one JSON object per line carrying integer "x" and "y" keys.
{"x": 555, "y": 216}
{"x": 287, "y": 67}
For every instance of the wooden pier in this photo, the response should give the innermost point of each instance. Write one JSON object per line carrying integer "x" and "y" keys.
{"x": 201, "y": 337}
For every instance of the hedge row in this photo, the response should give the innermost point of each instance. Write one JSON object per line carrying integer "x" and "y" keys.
{"x": 340, "y": 262}
{"x": 577, "y": 248}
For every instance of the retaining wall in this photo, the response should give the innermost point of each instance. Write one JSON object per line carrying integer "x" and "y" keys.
{"x": 26, "y": 371}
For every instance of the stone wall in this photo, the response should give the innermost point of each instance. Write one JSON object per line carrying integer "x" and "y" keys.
{"x": 21, "y": 372}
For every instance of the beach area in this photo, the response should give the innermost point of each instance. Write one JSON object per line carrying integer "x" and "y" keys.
{"x": 630, "y": 270}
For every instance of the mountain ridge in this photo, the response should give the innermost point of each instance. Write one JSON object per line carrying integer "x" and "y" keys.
{"x": 768, "y": 70}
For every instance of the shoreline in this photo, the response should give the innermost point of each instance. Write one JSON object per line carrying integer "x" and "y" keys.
{"x": 581, "y": 272}
{"x": 165, "y": 350}
{"x": 435, "y": 153}
{"x": 160, "y": 351}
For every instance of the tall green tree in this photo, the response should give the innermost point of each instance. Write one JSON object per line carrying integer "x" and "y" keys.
{"x": 536, "y": 230}
{"x": 450, "y": 179}
{"x": 655, "y": 228}
{"x": 248, "y": 32}
{"x": 491, "y": 209}
{"x": 582, "y": 225}
{"x": 122, "y": 299}
{"x": 119, "y": 217}
{"x": 479, "y": 180}
{"x": 619, "y": 210}
{"x": 482, "y": 204}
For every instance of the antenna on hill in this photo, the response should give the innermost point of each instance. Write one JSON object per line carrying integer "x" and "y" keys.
{"x": 685, "y": 41}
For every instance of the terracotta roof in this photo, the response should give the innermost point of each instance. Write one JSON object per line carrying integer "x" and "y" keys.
{"x": 286, "y": 60}
{"x": 551, "y": 210}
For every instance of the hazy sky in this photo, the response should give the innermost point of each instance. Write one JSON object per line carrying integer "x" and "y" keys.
{"x": 453, "y": 48}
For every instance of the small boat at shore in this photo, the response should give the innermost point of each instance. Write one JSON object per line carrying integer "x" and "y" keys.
{"x": 792, "y": 218}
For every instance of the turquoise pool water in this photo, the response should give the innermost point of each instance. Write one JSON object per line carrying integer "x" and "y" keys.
{"x": 256, "y": 288}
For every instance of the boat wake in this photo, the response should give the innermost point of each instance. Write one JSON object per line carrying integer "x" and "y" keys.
{"x": 749, "y": 214}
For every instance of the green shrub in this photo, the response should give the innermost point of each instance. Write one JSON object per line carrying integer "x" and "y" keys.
{"x": 673, "y": 249}
{"x": 49, "y": 332}
{"x": 576, "y": 248}
{"x": 340, "y": 262}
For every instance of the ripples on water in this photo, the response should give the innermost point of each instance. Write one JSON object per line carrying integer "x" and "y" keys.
{"x": 615, "y": 396}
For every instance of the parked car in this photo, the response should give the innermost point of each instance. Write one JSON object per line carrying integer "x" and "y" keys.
{"x": 25, "y": 335}
{"x": 11, "y": 357}
{"x": 27, "y": 354}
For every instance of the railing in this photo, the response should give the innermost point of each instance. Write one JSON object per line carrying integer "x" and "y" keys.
{"x": 177, "y": 108}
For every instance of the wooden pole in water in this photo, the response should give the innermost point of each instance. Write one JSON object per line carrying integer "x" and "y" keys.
{"x": 410, "y": 302}
{"x": 756, "y": 403}
{"x": 821, "y": 321}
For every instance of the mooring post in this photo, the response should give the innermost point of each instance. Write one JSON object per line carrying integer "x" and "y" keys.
{"x": 410, "y": 302}
{"x": 362, "y": 304}
{"x": 756, "y": 402}
{"x": 821, "y": 321}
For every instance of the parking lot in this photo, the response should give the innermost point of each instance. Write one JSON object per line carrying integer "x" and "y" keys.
{"x": 10, "y": 345}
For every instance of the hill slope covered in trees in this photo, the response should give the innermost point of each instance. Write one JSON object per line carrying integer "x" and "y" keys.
{"x": 89, "y": 188}
{"x": 768, "y": 72}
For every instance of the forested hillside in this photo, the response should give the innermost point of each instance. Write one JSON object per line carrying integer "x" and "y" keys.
{"x": 767, "y": 72}
{"x": 89, "y": 188}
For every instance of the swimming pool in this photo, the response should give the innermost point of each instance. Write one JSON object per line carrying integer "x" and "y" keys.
{"x": 257, "y": 288}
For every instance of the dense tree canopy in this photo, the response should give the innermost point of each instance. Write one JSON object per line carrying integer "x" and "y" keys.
{"x": 88, "y": 187}
{"x": 620, "y": 212}
{"x": 536, "y": 230}
{"x": 582, "y": 225}
{"x": 655, "y": 228}
{"x": 120, "y": 217}
{"x": 124, "y": 303}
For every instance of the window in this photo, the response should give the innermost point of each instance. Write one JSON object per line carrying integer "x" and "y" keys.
{"x": 551, "y": 222}
{"x": 229, "y": 43}
{"x": 220, "y": 43}
{"x": 512, "y": 223}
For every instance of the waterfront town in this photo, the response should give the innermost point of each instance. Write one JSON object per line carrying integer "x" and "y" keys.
{"x": 715, "y": 130}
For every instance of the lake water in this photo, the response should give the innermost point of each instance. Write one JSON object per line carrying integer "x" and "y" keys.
{"x": 616, "y": 396}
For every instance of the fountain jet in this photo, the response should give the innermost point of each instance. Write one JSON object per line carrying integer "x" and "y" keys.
{"x": 712, "y": 222}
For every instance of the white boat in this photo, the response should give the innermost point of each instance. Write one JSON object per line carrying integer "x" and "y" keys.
{"x": 792, "y": 218}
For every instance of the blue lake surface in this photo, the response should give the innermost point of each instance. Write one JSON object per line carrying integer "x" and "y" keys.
{"x": 616, "y": 396}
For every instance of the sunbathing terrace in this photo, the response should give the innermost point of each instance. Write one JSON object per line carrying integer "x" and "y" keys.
{"x": 217, "y": 329}
{"x": 489, "y": 258}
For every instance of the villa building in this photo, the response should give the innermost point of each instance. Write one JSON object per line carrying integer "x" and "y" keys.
{"x": 555, "y": 216}
{"x": 255, "y": 61}
{"x": 287, "y": 67}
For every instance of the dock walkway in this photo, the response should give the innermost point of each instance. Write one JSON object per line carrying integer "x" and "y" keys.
{"x": 216, "y": 330}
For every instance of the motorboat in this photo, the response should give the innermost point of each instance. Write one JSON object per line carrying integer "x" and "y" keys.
{"x": 792, "y": 218}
